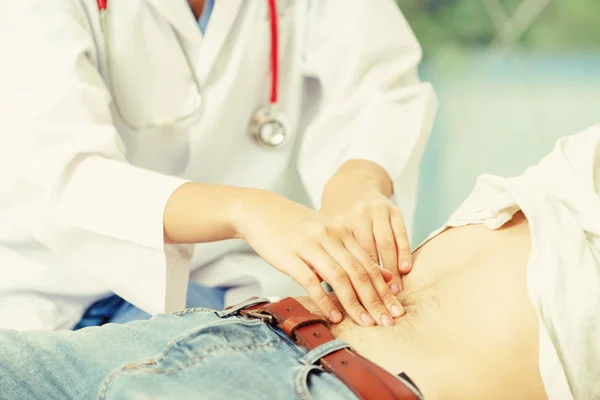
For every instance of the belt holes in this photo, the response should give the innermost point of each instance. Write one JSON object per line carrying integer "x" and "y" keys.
{"x": 289, "y": 309}
{"x": 345, "y": 363}
{"x": 316, "y": 334}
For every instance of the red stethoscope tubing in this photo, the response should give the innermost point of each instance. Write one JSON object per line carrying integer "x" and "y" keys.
{"x": 103, "y": 4}
{"x": 274, "y": 50}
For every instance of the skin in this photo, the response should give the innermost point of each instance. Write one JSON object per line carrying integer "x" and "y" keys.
{"x": 339, "y": 245}
{"x": 359, "y": 193}
{"x": 470, "y": 331}
{"x": 197, "y": 7}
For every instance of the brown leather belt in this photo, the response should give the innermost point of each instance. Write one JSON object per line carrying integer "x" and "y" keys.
{"x": 367, "y": 380}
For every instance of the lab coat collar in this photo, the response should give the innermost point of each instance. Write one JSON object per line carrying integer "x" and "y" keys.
{"x": 180, "y": 16}
{"x": 219, "y": 27}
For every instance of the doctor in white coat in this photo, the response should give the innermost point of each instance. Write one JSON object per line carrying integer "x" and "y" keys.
{"x": 140, "y": 151}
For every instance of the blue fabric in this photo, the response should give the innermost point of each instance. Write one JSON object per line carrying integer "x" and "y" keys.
{"x": 194, "y": 354}
{"x": 117, "y": 311}
{"x": 100, "y": 312}
{"x": 205, "y": 17}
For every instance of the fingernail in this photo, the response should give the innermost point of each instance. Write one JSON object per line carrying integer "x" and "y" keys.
{"x": 366, "y": 319}
{"x": 336, "y": 316}
{"x": 385, "y": 320}
{"x": 396, "y": 311}
{"x": 405, "y": 264}
{"x": 395, "y": 289}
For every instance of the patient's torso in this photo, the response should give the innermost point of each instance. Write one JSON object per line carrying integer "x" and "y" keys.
{"x": 470, "y": 331}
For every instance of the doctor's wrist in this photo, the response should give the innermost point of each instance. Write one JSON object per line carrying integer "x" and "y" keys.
{"x": 243, "y": 211}
{"x": 360, "y": 174}
{"x": 355, "y": 181}
{"x": 200, "y": 213}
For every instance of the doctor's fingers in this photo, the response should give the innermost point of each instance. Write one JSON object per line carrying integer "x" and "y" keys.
{"x": 378, "y": 276}
{"x": 311, "y": 282}
{"x": 405, "y": 260}
{"x": 386, "y": 242}
{"x": 366, "y": 279}
{"x": 362, "y": 229}
{"x": 336, "y": 276}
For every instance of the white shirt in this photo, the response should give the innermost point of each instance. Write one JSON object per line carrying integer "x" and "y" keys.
{"x": 561, "y": 199}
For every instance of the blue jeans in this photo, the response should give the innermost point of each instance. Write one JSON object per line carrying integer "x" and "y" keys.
{"x": 193, "y": 354}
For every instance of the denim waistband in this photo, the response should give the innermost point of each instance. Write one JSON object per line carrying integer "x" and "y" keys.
{"x": 236, "y": 309}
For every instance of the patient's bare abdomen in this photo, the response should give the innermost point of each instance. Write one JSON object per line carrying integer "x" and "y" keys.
{"x": 468, "y": 298}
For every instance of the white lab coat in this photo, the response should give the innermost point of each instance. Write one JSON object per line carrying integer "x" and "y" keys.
{"x": 82, "y": 196}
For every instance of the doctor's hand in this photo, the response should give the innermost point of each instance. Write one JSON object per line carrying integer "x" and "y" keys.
{"x": 310, "y": 248}
{"x": 376, "y": 223}
{"x": 378, "y": 226}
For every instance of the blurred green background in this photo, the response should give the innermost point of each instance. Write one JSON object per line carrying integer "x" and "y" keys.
{"x": 511, "y": 76}
{"x": 548, "y": 25}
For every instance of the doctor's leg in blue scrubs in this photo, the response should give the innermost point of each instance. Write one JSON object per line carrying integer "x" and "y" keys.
{"x": 115, "y": 310}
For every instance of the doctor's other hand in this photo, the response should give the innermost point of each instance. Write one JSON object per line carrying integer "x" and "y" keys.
{"x": 311, "y": 247}
{"x": 378, "y": 226}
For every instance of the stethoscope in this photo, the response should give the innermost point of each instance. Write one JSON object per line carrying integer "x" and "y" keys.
{"x": 269, "y": 127}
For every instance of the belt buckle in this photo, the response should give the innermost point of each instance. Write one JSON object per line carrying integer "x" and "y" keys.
{"x": 264, "y": 317}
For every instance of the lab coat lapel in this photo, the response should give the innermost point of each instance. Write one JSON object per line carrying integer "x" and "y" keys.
{"x": 180, "y": 16}
{"x": 221, "y": 21}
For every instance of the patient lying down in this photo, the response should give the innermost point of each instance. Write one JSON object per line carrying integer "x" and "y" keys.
{"x": 503, "y": 302}
{"x": 470, "y": 331}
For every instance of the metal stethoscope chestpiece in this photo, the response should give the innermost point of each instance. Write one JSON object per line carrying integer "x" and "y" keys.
{"x": 270, "y": 128}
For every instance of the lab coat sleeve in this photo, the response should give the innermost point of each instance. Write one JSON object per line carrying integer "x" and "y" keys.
{"x": 365, "y": 99}
{"x": 64, "y": 176}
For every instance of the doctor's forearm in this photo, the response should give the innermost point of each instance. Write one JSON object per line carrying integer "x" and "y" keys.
{"x": 353, "y": 178}
{"x": 200, "y": 213}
